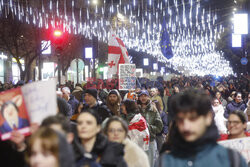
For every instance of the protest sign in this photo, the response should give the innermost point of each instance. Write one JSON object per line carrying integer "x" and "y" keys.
{"x": 21, "y": 106}
{"x": 40, "y": 99}
{"x": 127, "y": 76}
{"x": 242, "y": 145}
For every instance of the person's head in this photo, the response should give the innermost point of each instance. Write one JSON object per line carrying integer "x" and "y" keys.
{"x": 63, "y": 107}
{"x": 43, "y": 148}
{"x": 237, "y": 123}
{"x": 9, "y": 110}
{"x": 116, "y": 129}
{"x": 90, "y": 97}
{"x": 60, "y": 124}
{"x": 218, "y": 95}
{"x": 129, "y": 106}
{"x": 192, "y": 113}
{"x": 88, "y": 125}
{"x": 153, "y": 91}
{"x": 47, "y": 147}
{"x": 144, "y": 97}
{"x": 238, "y": 97}
{"x": 216, "y": 102}
{"x": 176, "y": 89}
{"x": 114, "y": 97}
{"x": 66, "y": 93}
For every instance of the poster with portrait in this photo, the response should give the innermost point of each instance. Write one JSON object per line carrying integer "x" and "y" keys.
{"x": 14, "y": 114}
{"x": 127, "y": 76}
{"x": 28, "y": 104}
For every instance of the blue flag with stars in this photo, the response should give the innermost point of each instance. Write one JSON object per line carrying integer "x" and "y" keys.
{"x": 165, "y": 42}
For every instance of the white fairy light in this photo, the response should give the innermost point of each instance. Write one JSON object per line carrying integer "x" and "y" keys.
{"x": 193, "y": 52}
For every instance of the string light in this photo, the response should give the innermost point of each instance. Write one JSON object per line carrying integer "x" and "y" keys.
{"x": 193, "y": 28}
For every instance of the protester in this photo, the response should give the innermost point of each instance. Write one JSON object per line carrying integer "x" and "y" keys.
{"x": 155, "y": 96}
{"x": 92, "y": 146}
{"x": 236, "y": 104}
{"x": 114, "y": 101}
{"x": 219, "y": 118}
{"x": 116, "y": 130}
{"x": 152, "y": 116}
{"x": 90, "y": 98}
{"x": 195, "y": 134}
{"x": 48, "y": 148}
{"x": 70, "y": 99}
{"x": 60, "y": 124}
{"x": 138, "y": 129}
{"x": 236, "y": 125}
{"x": 222, "y": 101}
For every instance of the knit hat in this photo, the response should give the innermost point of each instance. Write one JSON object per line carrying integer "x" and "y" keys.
{"x": 113, "y": 91}
{"x": 144, "y": 92}
{"x": 92, "y": 92}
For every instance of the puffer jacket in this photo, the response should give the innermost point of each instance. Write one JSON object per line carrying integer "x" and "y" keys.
{"x": 233, "y": 106}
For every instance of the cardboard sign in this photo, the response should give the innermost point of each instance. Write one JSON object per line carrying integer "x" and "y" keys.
{"x": 40, "y": 99}
{"x": 242, "y": 145}
{"x": 21, "y": 106}
{"x": 127, "y": 76}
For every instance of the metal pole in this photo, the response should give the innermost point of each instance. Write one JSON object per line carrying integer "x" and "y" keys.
{"x": 59, "y": 68}
{"x": 77, "y": 75}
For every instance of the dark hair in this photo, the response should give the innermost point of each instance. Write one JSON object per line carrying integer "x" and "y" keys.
{"x": 191, "y": 100}
{"x": 236, "y": 94}
{"x": 6, "y": 104}
{"x": 130, "y": 105}
{"x": 240, "y": 114}
{"x": 93, "y": 113}
{"x": 57, "y": 119}
{"x": 118, "y": 119}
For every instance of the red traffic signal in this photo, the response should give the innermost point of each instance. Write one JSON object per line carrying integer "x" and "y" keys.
{"x": 57, "y": 33}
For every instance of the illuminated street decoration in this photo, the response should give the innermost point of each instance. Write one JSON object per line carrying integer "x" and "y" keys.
{"x": 193, "y": 27}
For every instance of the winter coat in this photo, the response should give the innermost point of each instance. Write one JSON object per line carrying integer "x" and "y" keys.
{"x": 73, "y": 103}
{"x": 233, "y": 106}
{"x": 219, "y": 118}
{"x": 164, "y": 118}
{"x": 104, "y": 152}
{"x": 153, "y": 119}
{"x": 159, "y": 99}
{"x": 134, "y": 155}
{"x": 210, "y": 155}
{"x": 204, "y": 152}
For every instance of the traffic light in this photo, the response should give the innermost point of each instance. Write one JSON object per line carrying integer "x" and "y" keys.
{"x": 57, "y": 37}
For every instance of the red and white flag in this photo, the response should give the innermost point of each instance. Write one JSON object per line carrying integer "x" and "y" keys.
{"x": 117, "y": 54}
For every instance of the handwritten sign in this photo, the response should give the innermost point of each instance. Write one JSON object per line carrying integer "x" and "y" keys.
{"x": 127, "y": 76}
{"x": 242, "y": 145}
{"x": 40, "y": 99}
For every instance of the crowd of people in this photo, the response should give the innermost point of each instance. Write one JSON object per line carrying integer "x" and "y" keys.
{"x": 160, "y": 123}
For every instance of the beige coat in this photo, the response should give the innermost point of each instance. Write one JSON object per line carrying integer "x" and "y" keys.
{"x": 134, "y": 155}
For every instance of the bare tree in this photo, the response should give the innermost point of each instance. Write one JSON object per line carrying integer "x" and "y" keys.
{"x": 21, "y": 41}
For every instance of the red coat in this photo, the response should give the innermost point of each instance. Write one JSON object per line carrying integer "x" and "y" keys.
{"x": 225, "y": 136}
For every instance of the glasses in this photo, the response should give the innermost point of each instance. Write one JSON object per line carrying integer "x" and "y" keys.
{"x": 233, "y": 122}
{"x": 116, "y": 130}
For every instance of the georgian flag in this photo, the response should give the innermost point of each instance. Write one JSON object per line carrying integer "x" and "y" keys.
{"x": 117, "y": 54}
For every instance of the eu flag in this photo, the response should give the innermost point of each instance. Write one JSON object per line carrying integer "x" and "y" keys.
{"x": 165, "y": 42}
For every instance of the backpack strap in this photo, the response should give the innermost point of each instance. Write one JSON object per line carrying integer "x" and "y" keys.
{"x": 234, "y": 157}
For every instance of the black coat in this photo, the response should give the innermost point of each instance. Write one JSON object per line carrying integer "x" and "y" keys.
{"x": 102, "y": 111}
{"x": 110, "y": 154}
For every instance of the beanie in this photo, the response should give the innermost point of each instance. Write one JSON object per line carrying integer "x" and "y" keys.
{"x": 113, "y": 91}
{"x": 92, "y": 92}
